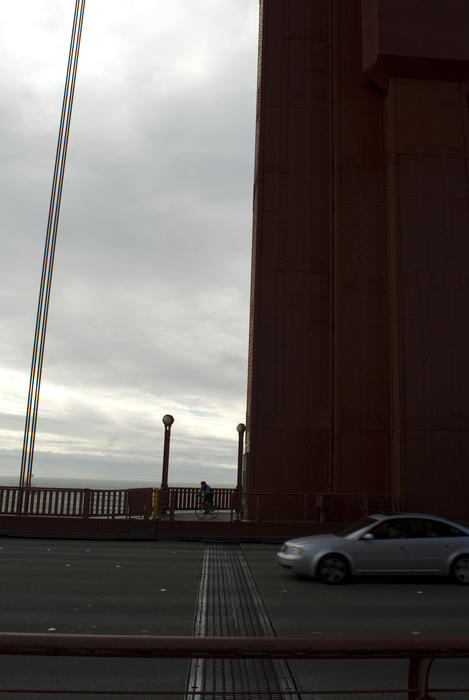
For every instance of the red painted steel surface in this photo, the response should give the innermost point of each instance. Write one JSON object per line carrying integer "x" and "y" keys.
{"x": 288, "y": 402}
{"x": 402, "y": 38}
{"x": 359, "y": 334}
{"x": 316, "y": 507}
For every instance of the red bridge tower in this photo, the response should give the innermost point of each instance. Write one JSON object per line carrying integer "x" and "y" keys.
{"x": 359, "y": 339}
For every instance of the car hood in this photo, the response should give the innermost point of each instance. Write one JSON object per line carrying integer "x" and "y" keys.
{"x": 312, "y": 540}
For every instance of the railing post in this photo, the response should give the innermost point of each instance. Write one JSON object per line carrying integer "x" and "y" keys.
{"x": 419, "y": 670}
{"x": 86, "y": 503}
{"x": 173, "y": 498}
{"x": 156, "y": 493}
{"x": 163, "y": 500}
{"x": 19, "y": 502}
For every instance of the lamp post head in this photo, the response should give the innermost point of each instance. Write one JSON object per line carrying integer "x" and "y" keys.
{"x": 241, "y": 428}
{"x": 168, "y": 420}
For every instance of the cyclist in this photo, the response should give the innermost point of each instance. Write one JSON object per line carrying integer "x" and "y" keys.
{"x": 206, "y": 496}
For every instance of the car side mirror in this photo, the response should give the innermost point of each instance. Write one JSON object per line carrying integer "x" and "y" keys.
{"x": 368, "y": 536}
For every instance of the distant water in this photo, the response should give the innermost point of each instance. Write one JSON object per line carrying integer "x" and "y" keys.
{"x": 93, "y": 483}
{"x": 78, "y": 483}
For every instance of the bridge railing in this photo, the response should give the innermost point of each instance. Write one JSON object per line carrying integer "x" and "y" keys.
{"x": 416, "y": 684}
{"x": 316, "y": 507}
{"x": 268, "y": 506}
{"x": 75, "y": 503}
{"x": 253, "y": 506}
{"x": 186, "y": 498}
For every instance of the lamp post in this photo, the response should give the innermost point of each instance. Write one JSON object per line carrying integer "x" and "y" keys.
{"x": 167, "y": 422}
{"x": 163, "y": 501}
{"x": 241, "y": 428}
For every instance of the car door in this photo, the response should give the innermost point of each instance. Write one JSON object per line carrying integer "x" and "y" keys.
{"x": 430, "y": 544}
{"x": 386, "y": 551}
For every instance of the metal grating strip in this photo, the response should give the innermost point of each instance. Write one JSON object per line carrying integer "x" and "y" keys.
{"x": 229, "y": 604}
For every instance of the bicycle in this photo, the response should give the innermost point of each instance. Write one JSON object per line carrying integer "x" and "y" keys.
{"x": 206, "y": 510}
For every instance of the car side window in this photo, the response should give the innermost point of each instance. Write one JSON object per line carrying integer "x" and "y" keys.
{"x": 417, "y": 528}
{"x": 434, "y": 528}
{"x": 390, "y": 530}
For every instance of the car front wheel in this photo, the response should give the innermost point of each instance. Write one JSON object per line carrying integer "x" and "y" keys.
{"x": 460, "y": 569}
{"x": 333, "y": 569}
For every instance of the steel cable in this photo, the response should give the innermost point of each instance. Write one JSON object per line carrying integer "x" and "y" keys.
{"x": 49, "y": 250}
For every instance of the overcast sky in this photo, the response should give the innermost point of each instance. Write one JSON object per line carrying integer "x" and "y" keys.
{"x": 150, "y": 295}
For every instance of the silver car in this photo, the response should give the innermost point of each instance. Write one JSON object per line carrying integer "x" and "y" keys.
{"x": 408, "y": 543}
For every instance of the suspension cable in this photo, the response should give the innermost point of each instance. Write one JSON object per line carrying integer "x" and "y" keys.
{"x": 49, "y": 250}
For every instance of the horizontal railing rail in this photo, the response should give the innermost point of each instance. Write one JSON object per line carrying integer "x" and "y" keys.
{"x": 420, "y": 653}
{"x": 268, "y": 506}
{"x": 75, "y": 503}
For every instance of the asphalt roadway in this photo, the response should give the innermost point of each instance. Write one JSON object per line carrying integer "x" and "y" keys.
{"x": 89, "y": 587}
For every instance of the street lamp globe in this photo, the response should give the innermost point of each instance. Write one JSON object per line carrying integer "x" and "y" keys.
{"x": 168, "y": 420}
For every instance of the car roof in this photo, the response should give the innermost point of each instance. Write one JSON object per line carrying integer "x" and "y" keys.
{"x": 382, "y": 516}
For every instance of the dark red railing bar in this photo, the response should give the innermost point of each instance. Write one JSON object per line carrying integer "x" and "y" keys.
{"x": 419, "y": 651}
{"x": 234, "y": 647}
{"x": 231, "y": 693}
{"x": 241, "y": 694}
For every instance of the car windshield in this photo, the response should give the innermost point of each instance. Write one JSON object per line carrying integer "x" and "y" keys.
{"x": 352, "y": 530}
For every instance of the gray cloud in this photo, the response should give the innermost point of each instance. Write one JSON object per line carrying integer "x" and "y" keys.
{"x": 151, "y": 283}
